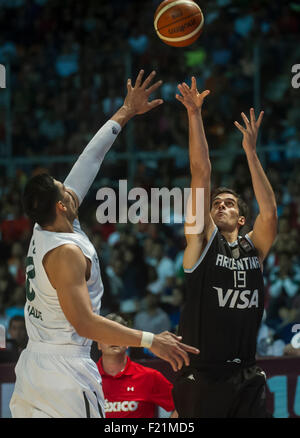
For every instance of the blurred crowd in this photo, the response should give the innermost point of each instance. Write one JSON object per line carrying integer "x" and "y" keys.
{"x": 69, "y": 62}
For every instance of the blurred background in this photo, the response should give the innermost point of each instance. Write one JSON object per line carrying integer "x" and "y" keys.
{"x": 66, "y": 69}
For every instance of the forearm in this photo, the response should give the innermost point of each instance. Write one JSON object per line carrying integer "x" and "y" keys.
{"x": 198, "y": 147}
{"x": 262, "y": 188}
{"x": 109, "y": 332}
{"x": 88, "y": 164}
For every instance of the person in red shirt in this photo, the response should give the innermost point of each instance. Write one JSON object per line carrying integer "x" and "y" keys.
{"x": 130, "y": 389}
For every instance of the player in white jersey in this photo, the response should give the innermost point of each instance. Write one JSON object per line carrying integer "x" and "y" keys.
{"x": 55, "y": 376}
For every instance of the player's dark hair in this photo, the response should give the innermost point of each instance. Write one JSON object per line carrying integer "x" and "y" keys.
{"x": 243, "y": 208}
{"x": 117, "y": 318}
{"x": 39, "y": 199}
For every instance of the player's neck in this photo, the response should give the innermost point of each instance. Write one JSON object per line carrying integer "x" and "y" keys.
{"x": 60, "y": 227}
{"x": 230, "y": 236}
{"x": 113, "y": 365}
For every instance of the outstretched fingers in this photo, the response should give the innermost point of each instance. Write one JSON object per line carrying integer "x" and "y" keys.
{"x": 194, "y": 84}
{"x": 154, "y": 103}
{"x": 148, "y": 79}
{"x": 181, "y": 356}
{"x": 178, "y": 97}
{"x": 153, "y": 87}
{"x": 245, "y": 118}
{"x": 240, "y": 127}
{"x": 129, "y": 85}
{"x": 183, "y": 88}
{"x": 205, "y": 93}
{"x": 252, "y": 117}
{"x": 259, "y": 120}
{"x": 181, "y": 351}
{"x": 139, "y": 78}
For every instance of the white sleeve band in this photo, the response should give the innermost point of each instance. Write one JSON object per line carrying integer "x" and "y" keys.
{"x": 87, "y": 166}
{"x": 147, "y": 339}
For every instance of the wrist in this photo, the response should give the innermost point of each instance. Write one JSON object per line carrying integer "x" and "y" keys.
{"x": 147, "y": 340}
{"x": 250, "y": 150}
{"x": 123, "y": 115}
{"x": 194, "y": 111}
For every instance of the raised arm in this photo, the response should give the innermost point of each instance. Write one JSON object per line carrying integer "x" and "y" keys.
{"x": 68, "y": 270}
{"x": 200, "y": 168}
{"x": 265, "y": 226}
{"x": 88, "y": 164}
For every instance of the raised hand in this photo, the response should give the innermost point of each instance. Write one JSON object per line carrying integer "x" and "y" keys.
{"x": 137, "y": 99}
{"x": 167, "y": 346}
{"x": 250, "y": 131}
{"x": 190, "y": 96}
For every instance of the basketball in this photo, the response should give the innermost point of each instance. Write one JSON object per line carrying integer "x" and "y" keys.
{"x": 178, "y": 23}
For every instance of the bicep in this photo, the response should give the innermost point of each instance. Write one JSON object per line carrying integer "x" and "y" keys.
{"x": 70, "y": 284}
{"x": 263, "y": 235}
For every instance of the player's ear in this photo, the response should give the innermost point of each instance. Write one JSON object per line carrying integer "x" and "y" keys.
{"x": 99, "y": 346}
{"x": 61, "y": 206}
{"x": 241, "y": 221}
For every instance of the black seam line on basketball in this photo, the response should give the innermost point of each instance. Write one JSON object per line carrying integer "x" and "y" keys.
{"x": 174, "y": 22}
{"x": 87, "y": 405}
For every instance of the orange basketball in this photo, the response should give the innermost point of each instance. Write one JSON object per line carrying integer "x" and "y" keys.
{"x": 178, "y": 22}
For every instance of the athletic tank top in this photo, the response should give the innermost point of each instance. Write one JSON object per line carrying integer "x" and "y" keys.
{"x": 224, "y": 302}
{"x": 45, "y": 320}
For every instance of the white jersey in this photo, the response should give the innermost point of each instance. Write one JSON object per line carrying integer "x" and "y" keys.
{"x": 45, "y": 320}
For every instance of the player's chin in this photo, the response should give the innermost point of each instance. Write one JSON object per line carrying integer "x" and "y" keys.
{"x": 223, "y": 224}
{"x": 220, "y": 221}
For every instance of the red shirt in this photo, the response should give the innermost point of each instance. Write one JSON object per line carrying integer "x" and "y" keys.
{"x": 135, "y": 392}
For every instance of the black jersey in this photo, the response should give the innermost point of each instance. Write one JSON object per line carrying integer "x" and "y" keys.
{"x": 224, "y": 302}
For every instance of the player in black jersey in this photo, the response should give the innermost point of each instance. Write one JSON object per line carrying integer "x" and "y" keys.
{"x": 224, "y": 283}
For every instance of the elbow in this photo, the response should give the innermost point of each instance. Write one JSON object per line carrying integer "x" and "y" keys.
{"x": 80, "y": 330}
{"x": 83, "y": 327}
{"x": 270, "y": 217}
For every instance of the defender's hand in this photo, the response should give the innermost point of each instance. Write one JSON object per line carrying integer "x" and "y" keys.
{"x": 167, "y": 346}
{"x": 137, "y": 99}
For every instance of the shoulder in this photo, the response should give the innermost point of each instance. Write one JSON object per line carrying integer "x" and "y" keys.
{"x": 196, "y": 251}
{"x": 65, "y": 257}
{"x": 67, "y": 251}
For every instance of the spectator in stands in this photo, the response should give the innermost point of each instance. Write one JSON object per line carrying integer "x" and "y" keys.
{"x": 172, "y": 304}
{"x": 17, "y": 332}
{"x": 16, "y": 302}
{"x": 285, "y": 278}
{"x": 130, "y": 389}
{"x": 16, "y": 340}
{"x": 152, "y": 318}
{"x": 164, "y": 266}
{"x": 284, "y": 286}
